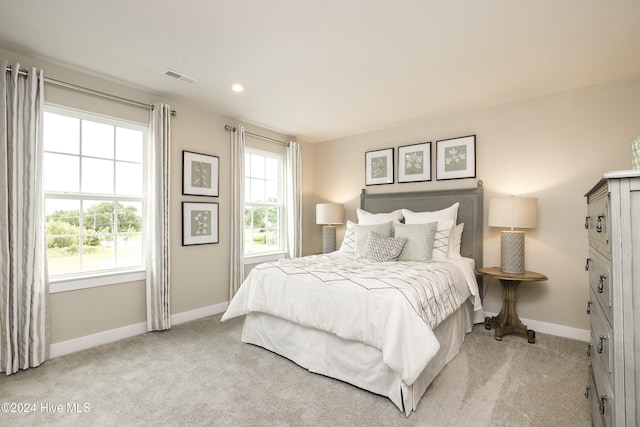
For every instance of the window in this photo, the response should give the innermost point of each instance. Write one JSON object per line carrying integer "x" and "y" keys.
{"x": 94, "y": 193}
{"x": 264, "y": 203}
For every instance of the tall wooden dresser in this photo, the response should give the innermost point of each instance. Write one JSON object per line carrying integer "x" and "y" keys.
{"x": 613, "y": 224}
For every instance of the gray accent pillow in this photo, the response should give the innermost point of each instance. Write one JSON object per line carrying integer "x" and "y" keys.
{"x": 382, "y": 249}
{"x": 419, "y": 246}
{"x": 362, "y": 233}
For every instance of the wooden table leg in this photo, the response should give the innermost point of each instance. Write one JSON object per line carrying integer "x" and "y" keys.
{"x": 531, "y": 336}
{"x": 507, "y": 321}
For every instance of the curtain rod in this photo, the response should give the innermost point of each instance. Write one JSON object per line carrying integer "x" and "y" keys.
{"x": 266, "y": 138}
{"x": 91, "y": 91}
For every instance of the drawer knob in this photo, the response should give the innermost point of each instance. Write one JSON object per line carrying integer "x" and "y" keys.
{"x": 603, "y": 401}
{"x": 599, "y": 223}
{"x": 589, "y": 350}
{"x": 588, "y": 307}
{"x": 586, "y": 392}
{"x": 603, "y": 277}
{"x": 586, "y": 222}
{"x": 600, "y": 348}
{"x": 587, "y": 264}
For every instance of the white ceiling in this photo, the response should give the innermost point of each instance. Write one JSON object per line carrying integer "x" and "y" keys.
{"x": 320, "y": 70}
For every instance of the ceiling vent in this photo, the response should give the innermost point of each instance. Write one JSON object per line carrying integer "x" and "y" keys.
{"x": 174, "y": 74}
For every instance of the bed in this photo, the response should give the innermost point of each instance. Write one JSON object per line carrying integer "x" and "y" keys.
{"x": 372, "y": 324}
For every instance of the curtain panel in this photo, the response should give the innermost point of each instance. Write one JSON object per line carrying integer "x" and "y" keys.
{"x": 24, "y": 288}
{"x": 294, "y": 200}
{"x": 237, "y": 210}
{"x": 157, "y": 220}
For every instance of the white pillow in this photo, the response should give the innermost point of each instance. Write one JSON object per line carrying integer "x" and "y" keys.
{"x": 349, "y": 240}
{"x": 367, "y": 218}
{"x": 362, "y": 233}
{"x": 450, "y": 213}
{"x": 454, "y": 248}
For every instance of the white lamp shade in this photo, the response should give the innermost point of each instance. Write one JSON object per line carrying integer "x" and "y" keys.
{"x": 513, "y": 212}
{"x": 329, "y": 213}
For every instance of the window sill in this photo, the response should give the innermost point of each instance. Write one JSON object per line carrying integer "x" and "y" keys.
{"x": 65, "y": 284}
{"x": 258, "y": 259}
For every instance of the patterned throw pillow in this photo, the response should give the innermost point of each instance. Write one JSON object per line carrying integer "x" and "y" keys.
{"x": 419, "y": 246}
{"x": 349, "y": 240}
{"x": 441, "y": 240}
{"x": 380, "y": 249}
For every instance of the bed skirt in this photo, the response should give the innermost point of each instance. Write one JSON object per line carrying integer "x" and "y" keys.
{"x": 354, "y": 362}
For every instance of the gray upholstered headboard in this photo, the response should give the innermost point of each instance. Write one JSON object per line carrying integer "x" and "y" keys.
{"x": 470, "y": 211}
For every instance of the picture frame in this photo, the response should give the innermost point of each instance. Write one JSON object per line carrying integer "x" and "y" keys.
{"x": 200, "y": 222}
{"x": 200, "y": 173}
{"x": 414, "y": 162}
{"x": 456, "y": 158}
{"x": 379, "y": 167}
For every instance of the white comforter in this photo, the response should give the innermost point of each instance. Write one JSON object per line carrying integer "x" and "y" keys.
{"x": 392, "y": 306}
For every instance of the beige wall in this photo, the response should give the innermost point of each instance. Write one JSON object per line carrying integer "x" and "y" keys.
{"x": 554, "y": 148}
{"x": 199, "y": 274}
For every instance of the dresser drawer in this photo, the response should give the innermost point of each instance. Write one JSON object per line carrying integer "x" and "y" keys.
{"x": 600, "y": 282}
{"x": 601, "y": 342}
{"x": 597, "y": 220}
{"x": 602, "y": 395}
{"x": 594, "y": 402}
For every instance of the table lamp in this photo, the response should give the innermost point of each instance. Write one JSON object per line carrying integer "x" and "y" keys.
{"x": 328, "y": 214}
{"x": 513, "y": 212}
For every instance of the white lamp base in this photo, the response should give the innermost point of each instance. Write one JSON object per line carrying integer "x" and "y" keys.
{"x": 328, "y": 239}
{"x": 512, "y": 252}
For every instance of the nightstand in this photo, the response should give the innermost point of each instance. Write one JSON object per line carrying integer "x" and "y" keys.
{"x": 507, "y": 321}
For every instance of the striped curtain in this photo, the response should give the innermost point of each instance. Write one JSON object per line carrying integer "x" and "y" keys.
{"x": 157, "y": 220}
{"x": 24, "y": 288}
{"x": 237, "y": 211}
{"x": 294, "y": 200}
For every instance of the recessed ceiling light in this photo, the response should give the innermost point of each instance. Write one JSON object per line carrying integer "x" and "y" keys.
{"x": 237, "y": 87}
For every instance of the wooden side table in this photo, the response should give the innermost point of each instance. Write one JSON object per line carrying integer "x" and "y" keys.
{"x": 507, "y": 321}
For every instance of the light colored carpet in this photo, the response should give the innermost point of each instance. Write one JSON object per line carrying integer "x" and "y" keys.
{"x": 200, "y": 373}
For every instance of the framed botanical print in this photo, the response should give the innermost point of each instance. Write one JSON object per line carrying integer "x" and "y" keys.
{"x": 414, "y": 162}
{"x": 200, "y": 174}
{"x": 456, "y": 158}
{"x": 199, "y": 223}
{"x": 379, "y": 167}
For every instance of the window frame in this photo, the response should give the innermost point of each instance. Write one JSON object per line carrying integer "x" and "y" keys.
{"x": 268, "y": 255}
{"x": 106, "y": 276}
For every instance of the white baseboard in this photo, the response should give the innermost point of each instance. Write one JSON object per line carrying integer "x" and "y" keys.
{"x": 198, "y": 313}
{"x": 90, "y": 341}
{"x": 553, "y": 329}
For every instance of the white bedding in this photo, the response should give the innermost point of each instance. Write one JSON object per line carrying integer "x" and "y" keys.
{"x": 353, "y": 362}
{"x": 391, "y": 306}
